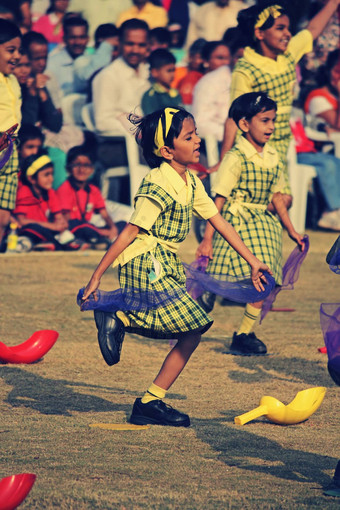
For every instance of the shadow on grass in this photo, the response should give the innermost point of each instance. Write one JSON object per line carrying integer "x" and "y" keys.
{"x": 265, "y": 368}
{"x": 53, "y": 396}
{"x": 242, "y": 449}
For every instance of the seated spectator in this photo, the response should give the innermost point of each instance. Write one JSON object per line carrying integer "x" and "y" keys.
{"x": 31, "y": 141}
{"x": 159, "y": 38}
{"x": 61, "y": 61}
{"x": 327, "y": 168}
{"x": 37, "y": 105}
{"x": 37, "y": 210}
{"x": 211, "y": 97}
{"x": 212, "y": 19}
{"x": 160, "y": 95}
{"x": 51, "y": 24}
{"x": 153, "y": 15}
{"x": 186, "y": 77}
{"x": 17, "y": 11}
{"x": 98, "y": 12}
{"x": 8, "y": 13}
{"x": 328, "y": 40}
{"x": 117, "y": 90}
{"x": 36, "y": 47}
{"x": 323, "y": 102}
{"x": 106, "y": 50}
{"x": 80, "y": 200}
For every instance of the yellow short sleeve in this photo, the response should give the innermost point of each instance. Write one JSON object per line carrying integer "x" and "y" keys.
{"x": 146, "y": 213}
{"x": 228, "y": 175}
{"x": 300, "y": 44}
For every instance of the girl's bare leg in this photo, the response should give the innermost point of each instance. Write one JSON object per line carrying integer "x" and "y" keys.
{"x": 176, "y": 360}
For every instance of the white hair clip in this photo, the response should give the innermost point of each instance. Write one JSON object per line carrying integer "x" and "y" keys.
{"x": 258, "y": 99}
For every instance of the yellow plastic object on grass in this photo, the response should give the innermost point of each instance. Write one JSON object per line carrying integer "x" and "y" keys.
{"x": 119, "y": 426}
{"x": 304, "y": 404}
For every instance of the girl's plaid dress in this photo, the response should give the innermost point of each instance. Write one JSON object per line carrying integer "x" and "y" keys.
{"x": 246, "y": 209}
{"x": 171, "y": 227}
{"x": 256, "y": 73}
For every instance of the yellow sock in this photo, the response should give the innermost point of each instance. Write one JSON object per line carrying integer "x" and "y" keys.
{"x": 249, "y": 318}
{"x": 154, "y": 392}
{"x": 124, "y": 318}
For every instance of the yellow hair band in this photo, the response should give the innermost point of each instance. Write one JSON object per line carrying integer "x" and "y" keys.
{"x": 38, "y": 164}
{"x": 275, "y": 11}
{"x": 161, "y": 133}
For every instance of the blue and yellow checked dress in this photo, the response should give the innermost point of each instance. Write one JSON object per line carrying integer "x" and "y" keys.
{"x": 256, "y": 73}
{"x": 10, "y": 114}
{"x": 151, "y": 262}
{"x": 248, "y": 181}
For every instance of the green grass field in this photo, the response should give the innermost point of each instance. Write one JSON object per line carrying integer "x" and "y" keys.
{"x": 46, "y": 408}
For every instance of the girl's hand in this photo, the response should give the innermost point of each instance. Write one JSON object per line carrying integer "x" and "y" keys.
{"x": 91, "y": 288}
{"x": 4, "y": 139}
{"x": 205, "y": 249}
{"x": 298, "y": 238}
{"x": 257, "y": 276}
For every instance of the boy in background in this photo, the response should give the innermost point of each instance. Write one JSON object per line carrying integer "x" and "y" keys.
{"x": 161, "y": 94}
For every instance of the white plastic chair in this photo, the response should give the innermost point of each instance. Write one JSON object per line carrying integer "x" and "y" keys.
{"x": 72, "y": 106}
{"x": 300, "y": 177}
{"x": 134, "y": 169}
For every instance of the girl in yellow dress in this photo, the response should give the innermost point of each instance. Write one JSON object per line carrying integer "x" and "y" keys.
{"x": 146, "y": 253}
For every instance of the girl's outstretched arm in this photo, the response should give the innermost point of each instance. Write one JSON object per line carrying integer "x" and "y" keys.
{"x": 205, "y": 247}
{"x": 231, "y": 236}
{"x": 125, "y": 238}
{"x": 282, "y": 212}
{"x": 320, "y": 20}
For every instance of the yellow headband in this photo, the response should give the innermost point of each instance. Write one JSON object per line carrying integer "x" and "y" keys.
{"x": 38, "y": 164}
{"x": 160, "y": 134}
{"x": 275, "y": 11}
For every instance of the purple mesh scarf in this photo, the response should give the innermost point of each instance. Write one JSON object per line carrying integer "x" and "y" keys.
{"x": 333, "y": 257}
{"x": 128, "y": 299}
{"x": 290, "y": 274}
{"x": 197, "y": 282}
{"x": 7, "y": 155}
{"x": 330, "y": 326}
{"x": 240, "y": 290}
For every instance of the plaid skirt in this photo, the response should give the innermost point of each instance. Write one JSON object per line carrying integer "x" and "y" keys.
{"x": 9, "y": 181}
{"x": 262, "y": 234}
{"x": 180, "y": 315}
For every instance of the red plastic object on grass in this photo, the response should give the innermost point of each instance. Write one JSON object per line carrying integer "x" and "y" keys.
{"x": 323, "y": 350}
{"x": 14, "y": 489}
{"x": 31, "y": 350}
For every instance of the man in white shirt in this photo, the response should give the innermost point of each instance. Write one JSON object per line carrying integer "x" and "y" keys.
{"x": 212, "y": 19}
{"x": 117, "y": 90}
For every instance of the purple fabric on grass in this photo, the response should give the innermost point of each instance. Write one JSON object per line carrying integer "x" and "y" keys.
{"x": 290, "y": 274}
{"x": 7, "y": 154}
{"x": 330, "y": 326}
{"x": 229, "y": 287}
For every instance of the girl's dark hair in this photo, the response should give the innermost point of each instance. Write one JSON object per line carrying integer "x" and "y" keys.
{"x": 79, "y": 150}
{"x": 146, "y": 129}
{"x": 247, "y": 18}
{"x": 324, "y": 73}
{"x": 210, "y": 47}
{"x": 8, "y": 31}
{"x": 249, "y": 105}
{"x": 30, "y": 132}
{"x": 28, "y": 162}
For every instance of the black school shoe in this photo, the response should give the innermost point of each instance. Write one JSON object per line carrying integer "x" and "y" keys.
{"x": 207, "y": 301}
{"x": 247, "y": 345}
{"x": 111, "y": 333}
{"x": 157, "y": 412}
